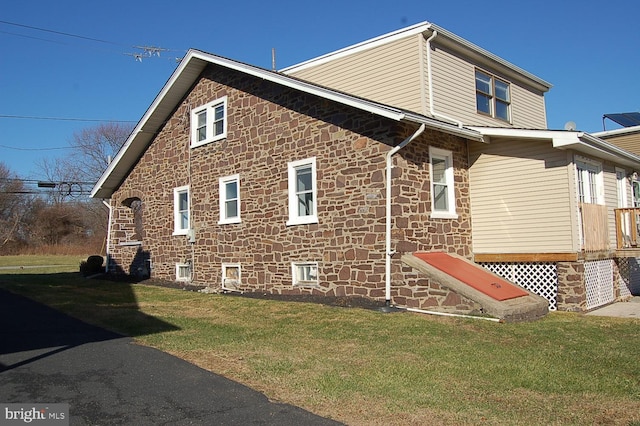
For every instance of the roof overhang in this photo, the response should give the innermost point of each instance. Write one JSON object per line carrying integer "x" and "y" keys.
{"x": 617, "y": 132}
{"x": 186, "y": 75}
{"x": 581, "y": 142}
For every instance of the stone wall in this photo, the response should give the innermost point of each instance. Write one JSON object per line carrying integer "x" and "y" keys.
{"x": 269, "y": 126}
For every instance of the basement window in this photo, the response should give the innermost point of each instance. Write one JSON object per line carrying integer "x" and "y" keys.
{"x": 305, "y": 274}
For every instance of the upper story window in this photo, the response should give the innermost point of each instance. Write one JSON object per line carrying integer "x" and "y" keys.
{"x": 209, "y": 122}
{"x": 443, "y": 203}
{"x": 181, "y": 210}
{"x": 590, "y": 181}
{"x": 492, "y": 96}
{"x": 302, "y": 192}
{"x": 229, "y": 188}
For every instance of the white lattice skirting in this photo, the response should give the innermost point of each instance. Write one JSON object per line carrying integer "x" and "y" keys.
{"x": 540, "y": 278}
{"x": 629, "y": 283}
{"x": 598, "y": 277}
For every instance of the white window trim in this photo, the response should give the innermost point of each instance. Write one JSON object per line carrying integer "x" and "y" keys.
{"x": 587, "y": 163}
{"x": 210, "y": 108}
{"x": 294, "y": 275}
{"x": 176, "y": 213}
{"x": 447, "y": 156}
{"x": 222, "y": 195}
{"x": 236, "y": 285}
{"x": 178, "y": 267}
{"x": 294, "y": 218}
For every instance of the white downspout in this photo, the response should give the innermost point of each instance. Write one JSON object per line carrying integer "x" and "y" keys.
{"x": 108, "y": 245}
{"x": 430, "y": 80}
{"x": 388, "y": 250}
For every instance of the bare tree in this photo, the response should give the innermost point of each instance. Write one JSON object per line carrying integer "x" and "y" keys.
{"x": 14, "y": 206}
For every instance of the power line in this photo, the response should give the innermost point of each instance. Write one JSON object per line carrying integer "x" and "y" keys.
{"x": 32, "y": 117}
{"x": 60, "y": 33}
{"x": 35, "y": 149}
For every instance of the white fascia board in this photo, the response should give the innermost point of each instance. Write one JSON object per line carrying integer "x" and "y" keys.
{"x": 617, "y": 132}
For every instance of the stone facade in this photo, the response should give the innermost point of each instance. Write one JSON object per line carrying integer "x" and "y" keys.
{"x": 268, "y": 127}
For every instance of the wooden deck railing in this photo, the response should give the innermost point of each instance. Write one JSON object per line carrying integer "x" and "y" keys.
{"x": 595, "y": 227}
{"x": 627, "y": 227}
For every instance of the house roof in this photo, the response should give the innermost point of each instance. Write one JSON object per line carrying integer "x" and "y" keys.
{"x": 625, "y": 131}
{"x": 187, "y": 73}
{"x": 582, "y": 142}
{"x": 444, "y": 37}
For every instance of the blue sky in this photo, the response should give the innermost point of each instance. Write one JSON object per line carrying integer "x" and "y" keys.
{"x": 589, "y": 50}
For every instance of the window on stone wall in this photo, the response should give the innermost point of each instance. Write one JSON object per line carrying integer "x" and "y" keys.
{"x": 443, "y": 203}
{"x": 181, "y": 210}
{"x": 135, "y": 204}
{"x": 302, "y": 192}
{"x": 209, "y": 122}
{"x": 304, "y": 273}
{"x": 229, "y": 188}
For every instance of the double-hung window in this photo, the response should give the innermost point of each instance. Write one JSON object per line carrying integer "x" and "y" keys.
{"x": 302, "y": 192}
{"x": 443, "y": 203}
{"x": 589, "y": 181}
{"x": 181, "y": 211}
{"x": 493, "y": 96}
{"x": 229, "y": 188}
{"x": 209, "y": 122}
{"x": 305, "y": 273}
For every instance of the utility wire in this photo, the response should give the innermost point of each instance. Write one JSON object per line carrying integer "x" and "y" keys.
{"x": 60, "y": 33}
{"x": 32, "y": 117}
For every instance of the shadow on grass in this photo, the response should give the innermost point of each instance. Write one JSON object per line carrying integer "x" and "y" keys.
{"x": 44, "y": 314}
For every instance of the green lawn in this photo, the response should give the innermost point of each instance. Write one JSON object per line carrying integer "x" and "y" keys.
{"x": 367, "y": 368}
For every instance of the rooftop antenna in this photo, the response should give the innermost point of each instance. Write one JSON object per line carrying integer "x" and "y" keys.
{"x": 273, "y": 58}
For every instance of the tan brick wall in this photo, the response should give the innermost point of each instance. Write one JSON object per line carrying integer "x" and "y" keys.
{"x": 269, "y": 126}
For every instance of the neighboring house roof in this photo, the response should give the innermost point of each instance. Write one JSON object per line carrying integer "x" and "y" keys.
{"x": 582, "y": 142}
{"x": 187, "y": 73}
{"x": 625, "y": 131}
{"x": 445, "y": 38}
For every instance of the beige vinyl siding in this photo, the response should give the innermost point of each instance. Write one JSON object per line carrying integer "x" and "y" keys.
{"x": 388, "y": 74}
{"x": 629, "y": 142}
{"x": 520, "y": 198}
{"x": 611, "y": 197}
{"x": 455, "y": 94}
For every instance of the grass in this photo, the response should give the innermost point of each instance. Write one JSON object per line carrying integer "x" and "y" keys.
{"x": 367, "y": 368}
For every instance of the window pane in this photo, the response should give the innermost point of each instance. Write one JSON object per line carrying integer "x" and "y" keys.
{"x": 439, "y": 167}
{"x": 184, "y": 220}
{"x": 231, "y": 209}
{"x": 502, "y": 91}
{"x": 202, "y": 126}
{"x": 218, "y": 124}
{"x": 231, "y": 189}
{"x": 483, "y": 103}
{"x": 483, "y": 83}
{"x": 502, "y": 110}
{"x": 440, "y": 197}
{"x": 183, "y": 201}
{"x": 305, "y": 204}
{"x": 303, "y": 179}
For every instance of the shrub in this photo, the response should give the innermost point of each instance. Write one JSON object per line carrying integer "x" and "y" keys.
{"x": 92, "y": 266}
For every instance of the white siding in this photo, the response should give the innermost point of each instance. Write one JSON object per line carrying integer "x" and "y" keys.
{"x": 520, "y": 198}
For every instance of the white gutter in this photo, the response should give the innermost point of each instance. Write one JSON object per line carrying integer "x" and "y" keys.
{"x": 448, "y": 314}
{"x": 429, "y": 77}
{"x": 388, "y": 251}
{"x": 108, "y": 244}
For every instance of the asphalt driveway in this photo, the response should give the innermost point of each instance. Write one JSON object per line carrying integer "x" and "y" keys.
{"x": 49, "y": 357}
